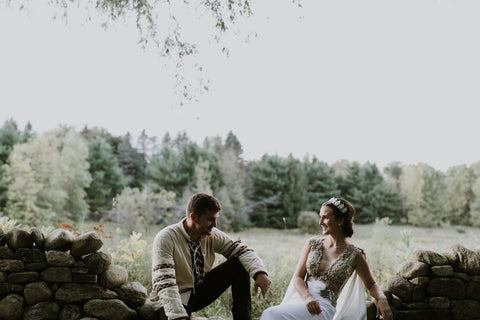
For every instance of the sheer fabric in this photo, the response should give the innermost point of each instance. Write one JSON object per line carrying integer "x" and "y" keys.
{"x": 339, "y": 290}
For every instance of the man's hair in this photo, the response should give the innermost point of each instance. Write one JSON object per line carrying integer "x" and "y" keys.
{"x": 202, "y": 203}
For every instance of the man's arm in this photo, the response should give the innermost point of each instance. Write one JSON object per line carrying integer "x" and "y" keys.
{"x": 165, "y": 292}
{"x": 247, "y": 257}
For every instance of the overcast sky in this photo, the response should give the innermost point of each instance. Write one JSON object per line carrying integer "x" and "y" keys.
{"x": 368, "y": 80}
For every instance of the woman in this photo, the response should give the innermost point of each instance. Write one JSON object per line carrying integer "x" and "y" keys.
{"x": 327, "y": 265}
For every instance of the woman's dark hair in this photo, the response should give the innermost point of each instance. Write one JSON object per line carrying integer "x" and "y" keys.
{"x": 347, "y": 217}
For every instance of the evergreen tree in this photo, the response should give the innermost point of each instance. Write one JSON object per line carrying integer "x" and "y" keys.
{"x": 107, "y": 177}
{"x": 295, "y": 195}
{"x": 267, "y": 184}
{"x": 321, "y": 184}
{"x": 132, "y": 162}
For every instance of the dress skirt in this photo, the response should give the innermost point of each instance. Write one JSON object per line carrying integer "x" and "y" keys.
{"x": 295, "y": 308}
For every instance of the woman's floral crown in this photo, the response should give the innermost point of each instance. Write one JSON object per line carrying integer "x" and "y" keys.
{"x": 337, "y": 203}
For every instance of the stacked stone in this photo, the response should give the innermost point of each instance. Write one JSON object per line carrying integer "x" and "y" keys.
{"x": 437, "y": 286}
{"x": 63, "y": 277}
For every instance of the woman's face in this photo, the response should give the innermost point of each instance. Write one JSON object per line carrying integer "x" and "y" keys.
{"x": 328, "y": 222}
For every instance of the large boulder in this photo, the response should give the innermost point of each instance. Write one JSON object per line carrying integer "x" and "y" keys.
{"x": 29, "y": 255}
{"x": 86, "y": 243}
{"x": 465, "y": 309}
{"x": 11, "y": 265}
{"x": 70, "y": 312}
{"x": 113, "y": 277}
{"x": 11, "y": 307}
{"x": 46, "y": 310}
{"x": 38, "y": 238}
{"x": 428, "y": 256}
{"x": 134, "y": 294}
{"x": 97, "y": 262}
{"x": 109, "y": 309}
{"x": 18, "y": 238}
{"x": 413, "y": 269}
{"x": 78, "y": 292}
{"x": 56, "y": 274}
{"x": 37, "y": 292}
{"x": 57, "y": 258}
{"x": 59, "y": 239}
{"x": 452, "y": 288}
{"x": 463, "y": 259}
{"x": 400, "y": 287}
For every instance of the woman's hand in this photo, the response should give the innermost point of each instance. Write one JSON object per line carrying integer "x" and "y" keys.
{"x": 313, "y": 306}
{"x": 383, "y": 309}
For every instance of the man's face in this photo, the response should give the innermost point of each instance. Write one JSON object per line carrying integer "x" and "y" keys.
{"x": 206, "y": 222}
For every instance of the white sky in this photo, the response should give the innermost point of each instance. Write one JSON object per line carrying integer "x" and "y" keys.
{"x": 370, "y": 80}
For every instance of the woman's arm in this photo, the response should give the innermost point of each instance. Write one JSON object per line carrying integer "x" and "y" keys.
{"x": 299, "y": 281}
{"x": 363, "y": 270}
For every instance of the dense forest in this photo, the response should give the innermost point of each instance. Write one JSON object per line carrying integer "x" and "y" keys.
{"x": 69, "y": 176}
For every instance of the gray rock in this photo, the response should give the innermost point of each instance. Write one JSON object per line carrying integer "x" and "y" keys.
{"x": 473, "y": 291}
{"x": 463, "y": 259}
{"x": 36, "y": 266}
{"x": 400, "y": 287}
{"x": 57, "y": 258}
{"x": 98, "y": 262}
{"x": 439, "y": 303}
{"x": 11, "y": 265}
{"x": 3, "y": 277}
{"x": 56, "y": 274}
{"x": 419, "y": 292}
{"x": 428, "y": 256}
{"x": 78, "y": 292}
{"x": 7, "y": 288}
{"x": 84, "y": 278}
{"x": 38, "y": 238}
{"x": 413, "y": 269}
{"x": 427, "y": 314}
{"x": 113, "y": 277}
{"x": 70, "y": 312}
{"x": 86, "y": 243}
{"x": 29, "y": 255}
{"x": 58, "y": 239}
{"x": 420, "y": 280}
{"x": 23, "y": 277}
{"x": 47, "y": 310}
{"x": 442, "y": 271}
{"x": 6, "y": 253}
{"x": 11, "y": 307}
{"x": 134, "y": 294}
{"x": 37, "y": 292}
{"x": 18, "y": 238}
{"x": 109, "y": 309}
{"x": 452, "y": 288}
{"x": 465, "y": 309}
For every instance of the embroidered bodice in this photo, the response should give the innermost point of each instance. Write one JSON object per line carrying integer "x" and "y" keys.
{"x": 338, "y": 272}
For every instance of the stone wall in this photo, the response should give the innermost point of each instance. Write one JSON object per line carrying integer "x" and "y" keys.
{"x": 437, "y": 286}
{"x": 64, "y": 277}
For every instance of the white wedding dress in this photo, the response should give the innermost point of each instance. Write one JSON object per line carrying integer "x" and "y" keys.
{"x": 339, "y": 290}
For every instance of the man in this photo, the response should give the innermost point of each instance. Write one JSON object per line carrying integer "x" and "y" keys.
{"x": 183, "y": 254}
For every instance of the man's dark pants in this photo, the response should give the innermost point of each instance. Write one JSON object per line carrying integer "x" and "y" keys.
{"x": 215, "y": 282}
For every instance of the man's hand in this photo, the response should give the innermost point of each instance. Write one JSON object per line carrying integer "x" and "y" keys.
{"x": 263, "y": 282}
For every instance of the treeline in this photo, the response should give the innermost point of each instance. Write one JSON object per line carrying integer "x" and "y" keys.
{"x": 66, "y": 175}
